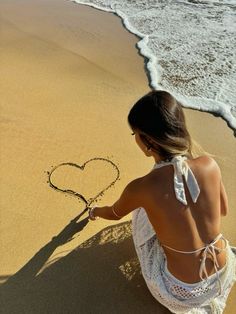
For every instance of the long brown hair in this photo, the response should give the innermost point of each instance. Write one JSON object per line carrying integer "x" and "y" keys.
{"x": 160, "y": 120}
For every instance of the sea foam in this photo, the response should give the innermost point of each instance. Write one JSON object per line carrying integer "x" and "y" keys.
{"x": 189, "y": 46}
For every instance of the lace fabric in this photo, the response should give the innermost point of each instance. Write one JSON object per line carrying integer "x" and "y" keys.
{"x": 178, "y": 296}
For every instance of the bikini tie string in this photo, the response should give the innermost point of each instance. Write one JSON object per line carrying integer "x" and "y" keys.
{"x": 211, "y": 249}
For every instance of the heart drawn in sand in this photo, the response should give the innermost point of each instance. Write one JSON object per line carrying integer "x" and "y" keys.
{"x": 94, "y": 177}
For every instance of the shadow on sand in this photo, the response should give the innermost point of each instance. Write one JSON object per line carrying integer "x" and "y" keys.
{"x": 102, "y": 275}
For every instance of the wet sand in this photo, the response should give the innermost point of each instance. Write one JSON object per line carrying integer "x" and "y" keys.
{"x": 69, "y": 75}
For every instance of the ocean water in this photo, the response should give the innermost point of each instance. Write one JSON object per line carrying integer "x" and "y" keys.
{"x": 189, "y": 48}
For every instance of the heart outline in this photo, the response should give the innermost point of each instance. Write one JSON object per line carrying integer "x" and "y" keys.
{"x": 82, "y": 167}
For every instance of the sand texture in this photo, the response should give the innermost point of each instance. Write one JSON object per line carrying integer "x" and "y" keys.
{"x": 69, "y": 75}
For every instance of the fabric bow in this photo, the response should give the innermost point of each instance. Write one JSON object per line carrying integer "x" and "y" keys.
{"x": 181, "y": 169}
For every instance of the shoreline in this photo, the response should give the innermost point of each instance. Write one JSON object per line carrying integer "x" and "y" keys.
{"x": 154, "y": 77}
{"x": 69, "y": 77}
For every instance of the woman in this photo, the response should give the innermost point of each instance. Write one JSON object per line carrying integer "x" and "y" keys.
{"x": 186, "y": 262}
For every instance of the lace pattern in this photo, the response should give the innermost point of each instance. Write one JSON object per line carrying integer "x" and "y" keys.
{"x": 177, "y": 296}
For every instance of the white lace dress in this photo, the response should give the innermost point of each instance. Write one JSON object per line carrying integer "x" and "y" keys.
{"x": 206, "y": 296}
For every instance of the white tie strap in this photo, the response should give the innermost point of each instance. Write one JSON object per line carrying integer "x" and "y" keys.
{"x": 182, "y": 169}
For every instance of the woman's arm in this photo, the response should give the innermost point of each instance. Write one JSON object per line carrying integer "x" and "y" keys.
{"x": 223, "y": 200}
{"x": 130, "y": 199}
{"x": 224, "y": 207}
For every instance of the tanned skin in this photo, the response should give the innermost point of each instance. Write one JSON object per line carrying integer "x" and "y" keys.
{"x": 183, "y": 227}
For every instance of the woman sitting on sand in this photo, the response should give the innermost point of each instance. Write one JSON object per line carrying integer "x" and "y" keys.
{"x": 176, "y": 208}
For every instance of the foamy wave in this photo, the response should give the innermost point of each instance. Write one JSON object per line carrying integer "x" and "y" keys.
{"x": 190, "y": 48}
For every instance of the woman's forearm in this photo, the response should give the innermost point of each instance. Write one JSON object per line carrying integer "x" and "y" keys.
{"x": 105, "y": 212}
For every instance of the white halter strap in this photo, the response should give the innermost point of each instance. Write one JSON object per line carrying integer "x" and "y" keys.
{"x": 181, "y": 168}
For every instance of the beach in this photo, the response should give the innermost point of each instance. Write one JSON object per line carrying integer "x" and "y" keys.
{"x": 70, "y": 74}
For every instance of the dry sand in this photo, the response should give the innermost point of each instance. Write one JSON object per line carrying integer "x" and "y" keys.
{"x": 69, "y": 75}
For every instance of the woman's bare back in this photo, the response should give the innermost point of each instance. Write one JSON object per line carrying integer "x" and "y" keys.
{"x": 187, "y": 227}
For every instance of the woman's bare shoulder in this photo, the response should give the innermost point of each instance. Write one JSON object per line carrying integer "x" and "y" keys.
{"x": 136, "y": 185}
{"x": 140, "y": 186}
{"x": 205, "y": 164}
{"x": 206, "y": 160}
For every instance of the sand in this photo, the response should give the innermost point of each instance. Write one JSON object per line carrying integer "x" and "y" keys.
{"x": 69, "y": 75}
